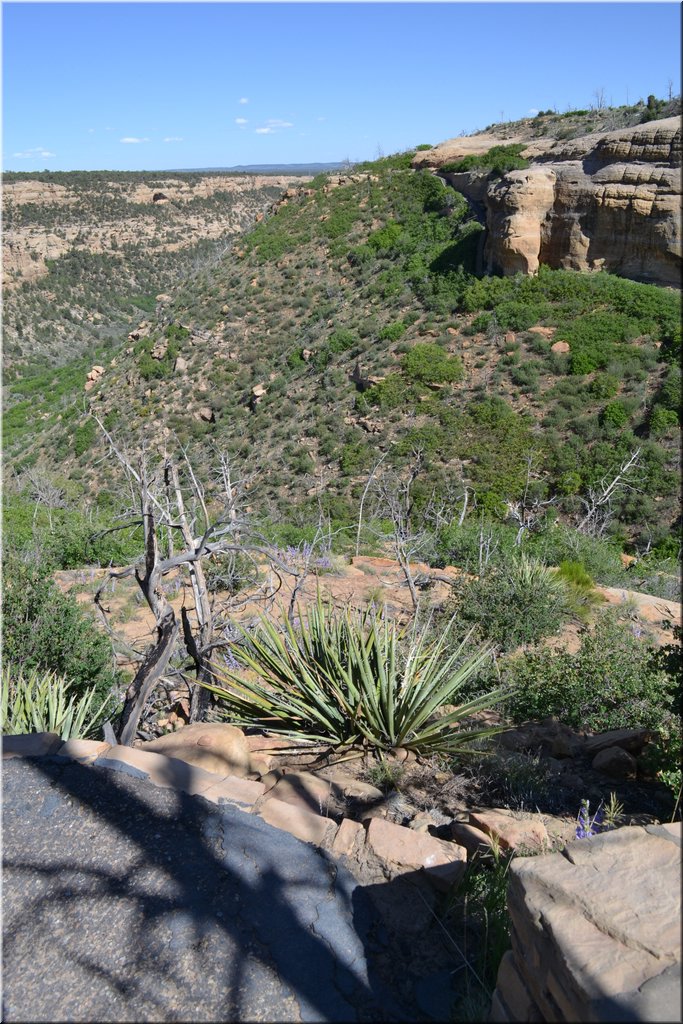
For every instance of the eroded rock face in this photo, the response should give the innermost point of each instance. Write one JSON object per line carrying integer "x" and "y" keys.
{"x": 596, "y": 931}
{"x": 608, "y": 201}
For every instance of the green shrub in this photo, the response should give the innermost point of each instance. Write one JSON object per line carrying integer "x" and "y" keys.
{"x": 84, "y": 437}
{"x": 604, "y": 385}
{"x": 343, "y": 678}
{"x": 518, "y": 602}
{"x": 498, "y": 160}
{"x": 47, "y": 631}
{"x": 392, "y": 332}
{"x": 520, "y": 316}
{"x": 663, "y": 421}
{"x": 390, "y": 393}
{"x": 575, "y": 573}
{"x": 341, "y": 341}
{"x": 385, "y": 239}
{"x": 355, "y": 457}
{"x": 612, "y": 682}
{"x": 429, "y": 364}
{"x": 614, "y": 415}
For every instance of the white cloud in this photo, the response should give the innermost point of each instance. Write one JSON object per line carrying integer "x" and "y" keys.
{"x": 173, "y": 138}
{"x": 131, "y": 139}
{"x": 532, "y": 112}
{"x": 36, "y": 151}
{"x": 91, "y": 131}
{"x": 321, "y": 119}
{"x": 243, "y": 100}
{"x": 241, "y": 121}
{"x": 272, "y": 125}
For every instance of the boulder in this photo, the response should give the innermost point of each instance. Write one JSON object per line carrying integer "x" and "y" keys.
{"x": 304, "y": 790}
{"x": 632, "y": 740}
{"x": 513, "y": 832}
{"x": 214, "y": 746}
{"x": 615, "y": 762}
{"x": 404, "y": 851}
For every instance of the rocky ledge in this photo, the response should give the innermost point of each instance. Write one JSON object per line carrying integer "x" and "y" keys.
{"x": 606, "y": 201}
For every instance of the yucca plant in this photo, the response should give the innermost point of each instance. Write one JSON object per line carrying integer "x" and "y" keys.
{"x": 348, "y": 677}
{"x": 38, "y": 701}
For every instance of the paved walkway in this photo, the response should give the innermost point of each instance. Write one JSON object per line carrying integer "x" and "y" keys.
{"x": 127, "y": 902}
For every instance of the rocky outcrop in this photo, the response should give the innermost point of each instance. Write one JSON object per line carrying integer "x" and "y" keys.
{"x": 596, "y": 931}
{"x": 607, "y": 201}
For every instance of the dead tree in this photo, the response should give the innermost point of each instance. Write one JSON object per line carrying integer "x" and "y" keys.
{"x": 598, "y": 501}
{"x": 528, "y": 512}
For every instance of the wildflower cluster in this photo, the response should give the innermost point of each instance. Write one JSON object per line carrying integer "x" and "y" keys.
{"x": 604, "y": 819}
{"x": 302, "y": 558}
{"x": 587, "y": 826}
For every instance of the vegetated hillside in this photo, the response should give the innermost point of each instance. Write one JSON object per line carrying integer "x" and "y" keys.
{"x": 84, "y": 252}
{"x": 551, "y": 125}
{"x": 348, "y": 327}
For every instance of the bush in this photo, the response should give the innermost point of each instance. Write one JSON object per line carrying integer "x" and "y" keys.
{"x": 341, "y": 341}
{"x": 47, "y": 631}
{"x": 230, "y": 573}
{"x": 343, "y": 678}
{"x": 519, "y": 602}
{"x": 614, "y": 415}
{"x": 498, "y": 160}
{"x": 663, "y": 421}
{"x": 604, "y": 385}
{"x": 429, "y": 364}
{"x": 612, "y": 682}
{"x": 392, "y": 332}
{"x": 84, "y": 437}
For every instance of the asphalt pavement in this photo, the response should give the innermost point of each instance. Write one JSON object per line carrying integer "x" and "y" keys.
{"x": 123, "y": 901}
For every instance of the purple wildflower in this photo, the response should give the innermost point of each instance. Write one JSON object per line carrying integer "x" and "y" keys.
{"x": 587, "y": 826}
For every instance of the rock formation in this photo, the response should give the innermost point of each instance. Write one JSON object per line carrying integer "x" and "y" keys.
{"x": 606, "y": 201}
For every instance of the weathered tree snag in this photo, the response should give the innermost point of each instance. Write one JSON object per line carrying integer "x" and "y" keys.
{"x": 196, "y": 646}
{"x": 157, "y": 658}
{"x": 149, "y": 673}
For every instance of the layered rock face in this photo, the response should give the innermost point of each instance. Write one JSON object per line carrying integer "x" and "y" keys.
{"x": 607, "y": 201}
{"x": 595, "y": 931}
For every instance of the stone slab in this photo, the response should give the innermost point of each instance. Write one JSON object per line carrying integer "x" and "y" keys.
{"x": 36, "y": 744}
{"x": 84, "y": 751}
{"x": 404, "y": 850}
{"x": 609, "y": 908}
{"x": 349, "y": 838}
{"x": 513, "y": 833}
{"x": 160, "y": 770}
{"x": 233, "y": 790}
{"x": 305, "y": 825}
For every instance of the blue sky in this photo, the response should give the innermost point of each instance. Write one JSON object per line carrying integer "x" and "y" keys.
{"x": 168, "y": 85}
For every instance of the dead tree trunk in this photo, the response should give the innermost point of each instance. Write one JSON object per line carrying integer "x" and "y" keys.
{"x": 196, "y": 644}
{"x": 157, "y": 658}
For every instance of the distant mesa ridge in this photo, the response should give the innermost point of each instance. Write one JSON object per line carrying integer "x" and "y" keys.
{"x": 314, "y": 168}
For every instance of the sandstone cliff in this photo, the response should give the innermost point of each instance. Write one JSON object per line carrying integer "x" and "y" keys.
{"x": 603, "y": 201}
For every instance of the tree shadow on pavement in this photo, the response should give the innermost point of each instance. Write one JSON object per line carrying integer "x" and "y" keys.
{"x": 126, "y": 901}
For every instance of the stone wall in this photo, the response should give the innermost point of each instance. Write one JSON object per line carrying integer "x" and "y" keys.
{"x": 596, "y": 931}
